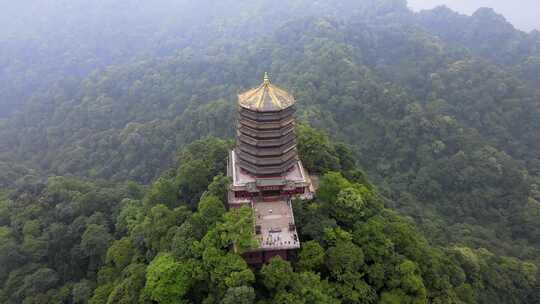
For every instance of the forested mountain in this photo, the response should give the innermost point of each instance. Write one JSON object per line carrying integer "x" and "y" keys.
{"x": 101, "y": 103}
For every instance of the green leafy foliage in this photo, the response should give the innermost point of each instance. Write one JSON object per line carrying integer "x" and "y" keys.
{"x": 168, "y": 281}
{"x": 139, "y": 250}
{"x": 56, "y": 238}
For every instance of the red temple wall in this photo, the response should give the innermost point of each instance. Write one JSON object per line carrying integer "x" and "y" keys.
{"x": 270, "y": 192}
{"x": 257, "y": 258}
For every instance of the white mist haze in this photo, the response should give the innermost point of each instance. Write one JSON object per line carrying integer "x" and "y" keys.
{"x": 523, "y": 14}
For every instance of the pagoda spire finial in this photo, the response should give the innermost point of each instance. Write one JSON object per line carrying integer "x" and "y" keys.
{"x": 266, "y": 78}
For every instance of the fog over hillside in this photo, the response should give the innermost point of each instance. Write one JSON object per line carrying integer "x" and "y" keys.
{"x": 522, "y": 14}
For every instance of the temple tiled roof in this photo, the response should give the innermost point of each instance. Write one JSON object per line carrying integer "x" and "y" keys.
{"x": 266, "y": 97}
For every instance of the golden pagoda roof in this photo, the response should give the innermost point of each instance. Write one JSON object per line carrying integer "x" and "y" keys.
{"x": 266, "y": 97}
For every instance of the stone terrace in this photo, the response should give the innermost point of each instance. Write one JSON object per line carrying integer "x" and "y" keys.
{"x": 276, "y": 222}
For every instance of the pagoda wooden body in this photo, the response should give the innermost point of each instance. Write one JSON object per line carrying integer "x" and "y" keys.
{"x": 266, "y": 171}
{"x": 266, "y": 143}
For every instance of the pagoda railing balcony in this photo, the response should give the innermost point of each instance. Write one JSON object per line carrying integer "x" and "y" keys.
{"x": 266, "y": 125}
{"x": 266, "y": 116}
{"x": 267, "y": 143}
{"x": 266, "y": 152}
{"x": 268, "y": 134}
{"x": 267, "y": 161}
{"x": 267, "y": 170}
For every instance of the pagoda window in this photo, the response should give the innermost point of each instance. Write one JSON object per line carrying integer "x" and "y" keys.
{"x": 242, "y": 194}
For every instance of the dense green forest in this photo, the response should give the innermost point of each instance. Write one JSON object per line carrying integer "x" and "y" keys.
{"x": 115, "y": 120}
{"x": 74, "y": 241}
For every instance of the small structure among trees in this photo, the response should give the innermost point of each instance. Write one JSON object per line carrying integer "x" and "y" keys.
{"x": 266, "y": 171}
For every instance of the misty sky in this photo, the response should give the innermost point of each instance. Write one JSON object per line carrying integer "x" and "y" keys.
{"x": 523, "y": 14}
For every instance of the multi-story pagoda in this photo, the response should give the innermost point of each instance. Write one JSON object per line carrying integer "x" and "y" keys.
{"x": 266, "y": 171}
